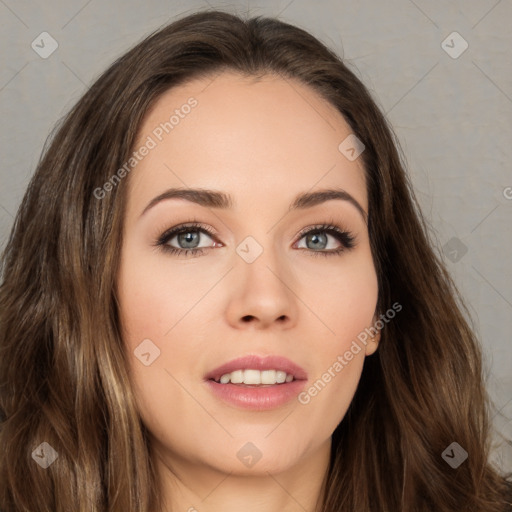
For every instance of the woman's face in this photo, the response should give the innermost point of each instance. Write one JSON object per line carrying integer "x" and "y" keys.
{"x": 259, "y": 286}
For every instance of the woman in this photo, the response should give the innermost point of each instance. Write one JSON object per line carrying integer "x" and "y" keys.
{"x": 170, "y": 339}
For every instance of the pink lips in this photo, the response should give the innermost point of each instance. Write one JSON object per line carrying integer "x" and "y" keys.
{"x": 257, "y": 398}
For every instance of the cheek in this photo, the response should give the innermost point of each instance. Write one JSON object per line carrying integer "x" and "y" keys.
{"x": 150, "y": 307}
{"x": 155, "y": 294}
{"x": 342, "y": 293}
{"x": 346, "y": 304}
{"x": 333, "y": 397}
{"x": 331, "y": 389}
{"x": 155, "y": 301}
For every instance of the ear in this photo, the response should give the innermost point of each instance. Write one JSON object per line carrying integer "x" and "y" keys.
{"x": 373, "y": 342}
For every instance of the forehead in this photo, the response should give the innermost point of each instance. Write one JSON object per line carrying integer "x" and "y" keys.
{"x": 264, "y": 139}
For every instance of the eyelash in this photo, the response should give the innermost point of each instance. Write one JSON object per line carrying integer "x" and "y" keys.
{"x": 345, "y": 237}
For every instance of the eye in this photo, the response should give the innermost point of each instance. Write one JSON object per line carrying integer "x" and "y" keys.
{"x": 317, "y": 238}
{"x": 187, "y": 237}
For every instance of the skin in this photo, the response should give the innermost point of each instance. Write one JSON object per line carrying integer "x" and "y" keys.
{"x": 262, "y": 142}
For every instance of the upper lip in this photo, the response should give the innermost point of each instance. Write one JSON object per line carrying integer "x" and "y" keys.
{"x": 255, "y": 362}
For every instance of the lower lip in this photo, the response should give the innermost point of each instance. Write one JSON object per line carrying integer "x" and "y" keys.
{"x": 257, "y": 398}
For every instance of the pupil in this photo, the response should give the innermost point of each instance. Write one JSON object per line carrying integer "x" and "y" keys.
{"x": 315, "y": 238}
{"x": 189, "y": 237}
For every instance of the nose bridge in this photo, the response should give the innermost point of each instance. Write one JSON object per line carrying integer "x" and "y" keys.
{"x": 262, "y": 262}
{"x": 262, "y": 282}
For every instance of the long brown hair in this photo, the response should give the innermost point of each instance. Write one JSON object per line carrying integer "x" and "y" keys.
{"x": 63, "y": 370}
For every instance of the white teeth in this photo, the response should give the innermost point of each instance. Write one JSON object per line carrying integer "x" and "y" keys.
{"x": 225, "y": 379}
{"x": 237, "y": 377}
{"x": 256, "y": 377}
{"x": 280, "y": 377}
{"x": 252, "y": 377}
{"x": 268, "y": 377}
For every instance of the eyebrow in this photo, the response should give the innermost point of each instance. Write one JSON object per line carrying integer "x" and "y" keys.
{"x": 221, "y": 200}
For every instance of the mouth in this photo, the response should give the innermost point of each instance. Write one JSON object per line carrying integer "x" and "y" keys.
{"x": 257, "y": 383}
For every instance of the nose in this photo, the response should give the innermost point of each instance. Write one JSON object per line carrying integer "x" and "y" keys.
{"x": 262, "y": 294}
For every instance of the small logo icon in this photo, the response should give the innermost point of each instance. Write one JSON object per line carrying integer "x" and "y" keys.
{"x": 351, "y": 147}
{"x": 507, "y": 192}
{"x": 249, "y": 249}
{"x": 44, "y": 45}
{"x": 44, "y": 455}
{"x": 454, "y": 45}
{"x": 454, "y": 455}
{"x": 249, "y": 454}
{"x": 147, "y": 352}
{"x": 454, "y": 249}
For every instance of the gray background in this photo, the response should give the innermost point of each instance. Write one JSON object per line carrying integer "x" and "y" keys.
{"x": 452, "y": 117}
